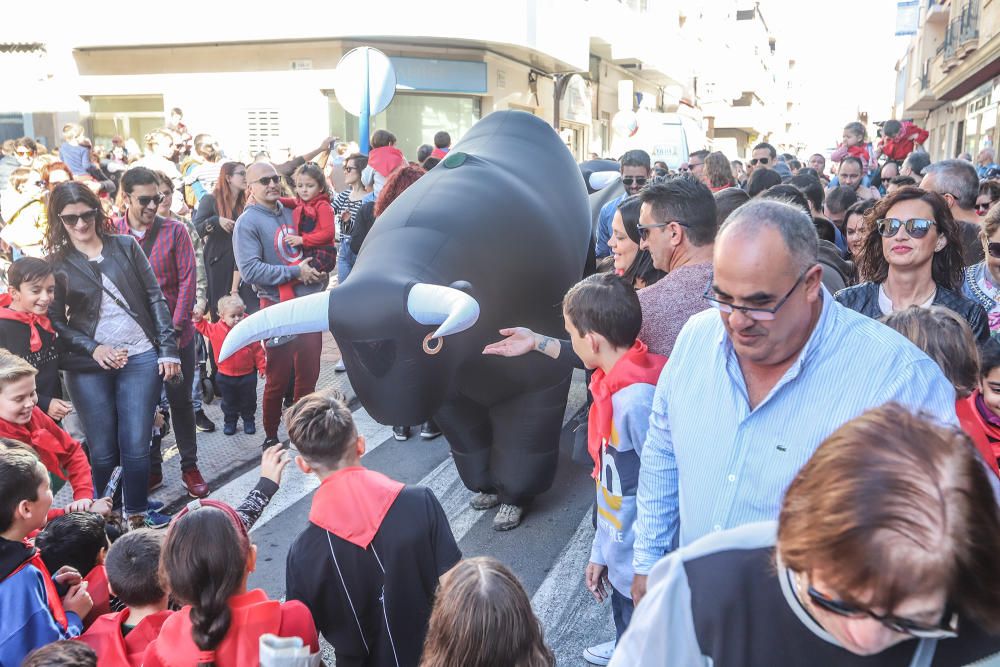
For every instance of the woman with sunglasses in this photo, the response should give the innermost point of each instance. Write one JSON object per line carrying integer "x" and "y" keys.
{"x": 118, "y": 341}
{"x": 346, "y": 205}
{"x": 989, "y": 193}
{"x": 214, "y": 220}
{"x": 913, "y": 257}
{"x": 982, "y": 280}
{"x": 876, "y": 569}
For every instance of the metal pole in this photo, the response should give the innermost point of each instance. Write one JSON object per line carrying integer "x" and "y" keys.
{"x": 366, "y": 107}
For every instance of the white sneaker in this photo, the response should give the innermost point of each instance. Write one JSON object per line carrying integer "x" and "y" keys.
{"x": 340, "y": 367}
{"x": 600, "y": 654}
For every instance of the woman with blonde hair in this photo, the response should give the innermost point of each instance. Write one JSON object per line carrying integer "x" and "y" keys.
{"x": 718, "y": 172}
{"x": 482, "y": 618}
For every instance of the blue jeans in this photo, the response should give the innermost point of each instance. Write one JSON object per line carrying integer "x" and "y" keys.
{"x": 621, "y": 608}
{"x": 116, "y": 410}
{"x": 196, "y": 393}
{"x": 345, "y": 259}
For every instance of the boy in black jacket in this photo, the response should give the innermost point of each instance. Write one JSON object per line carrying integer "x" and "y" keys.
{"x": 368, "y": 564}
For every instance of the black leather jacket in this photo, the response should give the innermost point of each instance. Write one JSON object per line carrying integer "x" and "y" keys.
{"x": 864, "y": 299}
{"x": 76, "y": 306}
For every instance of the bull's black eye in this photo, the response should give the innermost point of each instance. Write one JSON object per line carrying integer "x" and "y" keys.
{"x": 377, "y": 356}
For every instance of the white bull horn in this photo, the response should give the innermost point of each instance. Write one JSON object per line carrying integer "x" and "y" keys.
{"x": 306, "y": 314}
{"x": 602, "y": 179}
{"x": 453, "y": 309}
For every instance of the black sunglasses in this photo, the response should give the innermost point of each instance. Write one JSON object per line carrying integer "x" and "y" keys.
{"x": 947, "y": 628}
{"x": 638, "y": 180}
{"x": 146, "y": 200}
{"x": 916, "y": 227}
{"x": 761, "y": 160}
{"x": 268, "y": 180}
{"x": 993, "y": 249}
{"x": 644, "y": 229}
{"x": 72, "y": 219}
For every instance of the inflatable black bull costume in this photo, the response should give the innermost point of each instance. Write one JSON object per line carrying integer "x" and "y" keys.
{"x": 492, "y": 237}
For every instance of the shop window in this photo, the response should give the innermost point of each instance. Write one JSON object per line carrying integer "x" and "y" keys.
{"x": 127, "y": 116}
{"x": 413, "y": 118}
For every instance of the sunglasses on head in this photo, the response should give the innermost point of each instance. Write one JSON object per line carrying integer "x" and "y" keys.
{"x": 146, "y": 200}
{"x": 269, "y": 180}
{"x": 72, "y": 219}
{"x": 638, "y": 180}
{"x": 916, "y": 228}
{"x": 760, "y": 160}
{"x": 947, "y": 628}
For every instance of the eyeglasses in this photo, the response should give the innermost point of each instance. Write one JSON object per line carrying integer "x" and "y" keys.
{"x": 756, "y": 314}
{"x": 945, "y": 629}
{"x": 72, "y": 219}
{"x": 24, "y": 152}
{"x": 692, "y": 165}
{"x": 761, "y": 160}
{"x": 638, "y": 180}
{"x": 269, "y": 180}
{"x": 644, "y": 229}
{"x": 239, "y": 173}
{"x": 993, "y": 249}
{"x": 350, "y": 169}
{"x": 146, "y": 200}
{"x": 685, "y": 169}
{"x": 916, "y": 227}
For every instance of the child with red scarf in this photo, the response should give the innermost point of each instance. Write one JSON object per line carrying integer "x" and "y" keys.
{"x": 32, "y": 610}
{"x": 368, "y": 563}
{"x": 22, "y": 420}
{"x": 26, "y": 331}
{"x": 603, "y": 318}
{"x": 900, "y": 138}
{"x": 206, "y": 560}
{"x": 314, "y": 224}
{"x": 984, "y": 403}
{"x": 383, "y": 159}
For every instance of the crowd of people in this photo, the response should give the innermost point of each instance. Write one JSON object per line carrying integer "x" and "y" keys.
{"x": 793, "y": 419}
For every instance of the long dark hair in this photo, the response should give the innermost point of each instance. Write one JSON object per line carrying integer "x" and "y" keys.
{"x": 226, "y": 204}
{"x": 202, "y": 564}
{"x": 946, "y": 267}
{"x": 71, "y": 192}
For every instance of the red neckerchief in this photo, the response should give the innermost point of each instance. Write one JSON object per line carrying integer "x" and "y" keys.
{"x": 352, "y": 502}
{"x": 45, "y": 444}
{"x": 386, "y": 159}
{"x": 309, "y": 208}
{"x": 51, "y": 594}
{"x": 105, "y": 637}
{"x": 439, "y": 153}
{"x": 34, "y": 322}
{"x": 97, "y": 587}
{"x": 253, "y": 615}
{"x": 638, "y": 365}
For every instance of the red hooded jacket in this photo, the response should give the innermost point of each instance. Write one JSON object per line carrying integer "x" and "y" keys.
{"x": 253, "y": 616}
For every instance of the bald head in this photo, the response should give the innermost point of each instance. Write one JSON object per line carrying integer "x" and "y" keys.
{"x": 258, "y": 170}
{"x": 796, "y": 230}
{"x": 268, "y": 190}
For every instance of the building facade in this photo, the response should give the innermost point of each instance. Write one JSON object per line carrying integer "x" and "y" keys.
{"x": 949, "y": 80}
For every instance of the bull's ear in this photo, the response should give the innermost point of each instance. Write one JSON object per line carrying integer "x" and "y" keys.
{"x": 462, "y": 285}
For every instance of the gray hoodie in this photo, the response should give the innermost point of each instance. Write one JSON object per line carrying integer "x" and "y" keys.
{"x": 263, "y": 258}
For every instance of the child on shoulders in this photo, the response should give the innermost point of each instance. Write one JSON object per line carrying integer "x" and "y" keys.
{"x": 314, "y": 224}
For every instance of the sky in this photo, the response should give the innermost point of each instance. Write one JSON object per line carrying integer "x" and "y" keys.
{"x": 845, "y": 53}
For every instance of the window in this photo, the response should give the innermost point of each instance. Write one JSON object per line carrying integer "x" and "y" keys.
{"x": 127, "y": 116}
{"x": 11, "y": 126}
{"x": 263, "y": 129}
{"x": 413, "y": 118}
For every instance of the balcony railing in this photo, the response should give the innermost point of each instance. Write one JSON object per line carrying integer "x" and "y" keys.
{"x": 961, "y": 30}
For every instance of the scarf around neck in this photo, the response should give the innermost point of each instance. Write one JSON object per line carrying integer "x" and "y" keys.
{"x": 31, "y": 320}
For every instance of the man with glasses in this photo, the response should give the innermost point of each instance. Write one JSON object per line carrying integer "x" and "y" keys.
{"x": 168, "y": 246}
{"x": 957, "y": 182}
{"x": 696, "y": 164}
{"x": 876, "y": 568}
{"x": 763, "y": 156}
{"x": 753, "y": 386}
{"x": 636, "y": 167}
{"x": 265, "y": 260}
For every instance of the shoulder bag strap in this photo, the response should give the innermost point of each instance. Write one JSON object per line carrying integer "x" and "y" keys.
{"x": 150, "y": 238}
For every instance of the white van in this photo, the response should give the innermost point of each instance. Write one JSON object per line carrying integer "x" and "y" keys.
{"x": 667, "y": 137}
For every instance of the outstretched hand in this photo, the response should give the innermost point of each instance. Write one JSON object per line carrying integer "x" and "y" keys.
{"x": 519, "y": 341}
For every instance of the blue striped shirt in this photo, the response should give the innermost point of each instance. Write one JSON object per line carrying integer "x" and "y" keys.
{"x": 709, "y": 463}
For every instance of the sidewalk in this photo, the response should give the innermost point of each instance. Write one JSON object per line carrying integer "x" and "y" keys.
{"x": 221, "y": 458}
